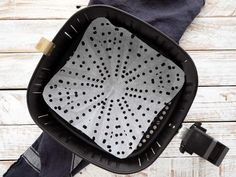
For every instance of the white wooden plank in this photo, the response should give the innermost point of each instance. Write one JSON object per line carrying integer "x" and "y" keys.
{"x": 203, "y": 34}
{"x": 40, "y": 9}
{"x": 217, "y": 8}
{"x": 214, "y": 68}
{"x": 57, "y": 9}
{"x": 210, "y": 33}
{"x": 214, "y": 104}
{"x": 16, "y": 139}
{"x": 13, "y": 108}
{"x": 210, "y": 104}
{"x": 163, "y": 167}
{"x": 173, "y": 167}
{"x": 17, "y": 69}
{"x": 23, "y": 35}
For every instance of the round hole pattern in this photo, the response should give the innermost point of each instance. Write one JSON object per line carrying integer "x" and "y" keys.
{"x": 113, "y": 87}
{"x": 153, "y": 127}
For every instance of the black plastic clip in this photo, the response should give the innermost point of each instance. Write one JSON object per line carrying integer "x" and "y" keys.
{"x": 196, "y": 141}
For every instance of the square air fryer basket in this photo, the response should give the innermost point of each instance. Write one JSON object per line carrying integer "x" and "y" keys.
{"x": 66, "y": 42}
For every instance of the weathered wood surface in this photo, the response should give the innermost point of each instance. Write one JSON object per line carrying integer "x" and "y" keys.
{"x": 164, "y": 167}
{"x": 219, "y": 8}
{"x": 210, "y": 34}
{"x": 214, "y": 68}
{"x": 16, "y": 139}
{"x": 27, "y": 33}
{"x": 13, "y": 108}
{"x": 210, "y": 104}
{"x": 174, "y": 167}
{"x": 203, "y": 34}
{"x": 210, "y": 40}
{"x": 40, "y": 9}
{"x": 16, "y": 69}
{"x": 57, "y": 9}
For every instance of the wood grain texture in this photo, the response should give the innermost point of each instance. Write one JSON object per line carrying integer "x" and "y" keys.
{"x": 163, "y": 167}
{"x": 173, "y": 167}
{"x": 57, "y": 9}
{"x": 40, "y": 9}
{"x": 211, "y": 43}
{"x": 23, "y": 35}
{"x": 16, "y": 69}
{"x": 214, "y": 68}
{"x": 16, "y": 139}
{"x": 203, "y": 34}
{"x": 13, "y": 108}
{"x": 219, "y": 8}
{"x": 210, "y": 34}
{"x": 214, "y": 104}
{"x": 210, "y": 104}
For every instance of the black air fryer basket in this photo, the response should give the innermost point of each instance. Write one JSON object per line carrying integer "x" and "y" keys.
{"x": 66, "y": 42}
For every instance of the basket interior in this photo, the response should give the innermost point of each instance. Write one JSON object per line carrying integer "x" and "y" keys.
{"x": 155, "y": 139}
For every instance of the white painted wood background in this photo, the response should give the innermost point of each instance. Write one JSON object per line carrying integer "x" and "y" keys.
{"x": 210, "y": 40}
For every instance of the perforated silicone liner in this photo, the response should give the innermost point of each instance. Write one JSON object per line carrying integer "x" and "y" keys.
{"x": 112, "y": 87}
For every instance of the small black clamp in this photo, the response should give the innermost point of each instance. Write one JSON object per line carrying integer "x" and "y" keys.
{"x": 196, "y": 141}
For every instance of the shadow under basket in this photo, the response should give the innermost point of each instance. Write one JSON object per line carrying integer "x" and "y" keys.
{"x": 66, "y": 42}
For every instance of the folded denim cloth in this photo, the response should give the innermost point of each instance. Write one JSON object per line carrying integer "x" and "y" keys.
{"x": 172, "y": 17}
{"x": 47, "y": 158}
